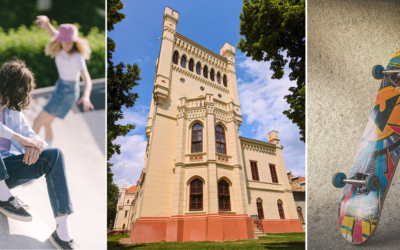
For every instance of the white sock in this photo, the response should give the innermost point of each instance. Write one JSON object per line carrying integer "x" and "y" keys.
{"x": 63, "y": 230}
{"x": 5, "y": 193}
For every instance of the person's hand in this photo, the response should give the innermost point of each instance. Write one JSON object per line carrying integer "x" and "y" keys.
{"x": 41, "y": 21}
{"x": 31, "y": 155}
{"x": 28, "y": 142}
{"x": 87, "y": 105}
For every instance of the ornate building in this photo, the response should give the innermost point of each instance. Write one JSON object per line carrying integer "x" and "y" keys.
{"x": 125, "y": 208}
{"x": 298, "y": 184}
{"x": 201, "y": 181}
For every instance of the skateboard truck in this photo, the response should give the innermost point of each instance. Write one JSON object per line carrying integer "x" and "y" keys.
{"x": 378, "y": 72}
{"x": 366, "y": 182}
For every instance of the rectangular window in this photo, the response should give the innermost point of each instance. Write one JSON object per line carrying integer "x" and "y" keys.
{"x": 254, "y": 171}
{"x": 126, "y": 213}
{"x": 273, "y": 174}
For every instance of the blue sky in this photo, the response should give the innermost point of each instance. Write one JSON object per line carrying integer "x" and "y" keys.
{"x": 211, "y": 24}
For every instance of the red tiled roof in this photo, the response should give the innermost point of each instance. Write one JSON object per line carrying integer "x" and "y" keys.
{"x": 131, "y": 189}
{"x": 302, "y": 179}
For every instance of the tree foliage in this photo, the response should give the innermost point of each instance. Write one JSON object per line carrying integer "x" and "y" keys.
{"x": 271, "y": 28}
{"x": 121, "y": 79}
{"x": 88, "y": 13}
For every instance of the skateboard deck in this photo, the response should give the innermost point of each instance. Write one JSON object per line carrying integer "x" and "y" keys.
{"x": 377, "y": 154}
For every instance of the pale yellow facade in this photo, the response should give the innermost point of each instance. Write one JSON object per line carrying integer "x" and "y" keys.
{"x": 183, "y": 98}
{"x": 125, "y": 210}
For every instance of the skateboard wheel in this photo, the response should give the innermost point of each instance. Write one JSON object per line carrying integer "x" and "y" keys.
{"x": 376, "y": 71}
{"x": 372, "y": 183}
{"x": 337, "y": 180}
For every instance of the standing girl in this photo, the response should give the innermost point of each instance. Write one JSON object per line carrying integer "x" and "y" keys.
{"x": 70, "y": 53}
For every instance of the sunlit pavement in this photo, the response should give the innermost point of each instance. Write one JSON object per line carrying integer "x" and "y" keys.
{"x": 81, "y": 137}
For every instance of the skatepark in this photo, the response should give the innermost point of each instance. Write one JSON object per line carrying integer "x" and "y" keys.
{"x": 81, "y": 137}
{"x": 345, "y": 40}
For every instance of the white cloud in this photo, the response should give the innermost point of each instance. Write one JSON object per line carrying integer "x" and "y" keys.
{"x": 129, "y": 164}
{"x": 262, "y": 104}
{"x": 137, "y": 115}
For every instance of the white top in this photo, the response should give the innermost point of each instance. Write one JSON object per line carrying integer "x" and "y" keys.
{"x": 69, "y": 66}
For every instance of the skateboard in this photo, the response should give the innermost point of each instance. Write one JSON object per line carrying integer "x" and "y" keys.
{"x": 365, "y": 188}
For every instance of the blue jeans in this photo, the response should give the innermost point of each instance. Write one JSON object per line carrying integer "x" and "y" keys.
{"x": 51, "y": 164}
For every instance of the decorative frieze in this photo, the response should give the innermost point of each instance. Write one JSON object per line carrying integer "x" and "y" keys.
{"x": 257, "y": 148}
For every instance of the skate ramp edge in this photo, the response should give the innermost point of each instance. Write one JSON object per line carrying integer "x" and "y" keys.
{"x": 24, "y": 235}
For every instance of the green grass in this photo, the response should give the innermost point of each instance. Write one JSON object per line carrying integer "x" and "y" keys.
{"x": 271, "y": 241}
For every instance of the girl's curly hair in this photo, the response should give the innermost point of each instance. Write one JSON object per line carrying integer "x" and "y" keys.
{"x": 16, "y": 83}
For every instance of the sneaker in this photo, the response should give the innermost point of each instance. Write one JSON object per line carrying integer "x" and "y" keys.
{"x": 60, "y": 244}
{"x": 13, "y": 209}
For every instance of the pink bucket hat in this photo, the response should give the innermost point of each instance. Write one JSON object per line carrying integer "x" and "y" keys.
{"x": 67, "y": 33}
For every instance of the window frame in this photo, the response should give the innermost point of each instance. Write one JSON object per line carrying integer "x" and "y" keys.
{"x": 183, "y": 60}
{"x": 260, "y": 209}
{"x": 196, "y": 194}
{"x": 254, "y": 171}
{"x": 205, "y": 72}
{"x": 196, "y": 131}
{"x": 225, "y": 81}
{"x": 280, "y": 209}
{"x": 300, "y": 214}
{"x": 191, "y": 64}
{"x": 274, "y": 175}
{"x": 219, "y": 135}
{"x": 212, "y": 75}
{"x": 218, "y": 77}
{"x": 198, "y": 69}
{"x": 223, "y": 196}
{"x": 175, "y": 57}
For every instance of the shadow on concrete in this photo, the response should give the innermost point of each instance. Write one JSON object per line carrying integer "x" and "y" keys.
{"x": 27, "y": 235}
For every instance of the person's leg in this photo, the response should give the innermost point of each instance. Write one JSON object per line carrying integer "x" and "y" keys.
{"x": 44, "y": 119}
{"x": 51, "y": 164}
{"x": 9, "y": 205}
{"x": 5, "y": 193}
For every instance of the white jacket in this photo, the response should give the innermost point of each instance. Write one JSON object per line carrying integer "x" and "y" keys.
{"x": 15, "y": 122}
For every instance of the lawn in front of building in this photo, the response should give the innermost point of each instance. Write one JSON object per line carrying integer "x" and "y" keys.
{"x": 271, "y": 241}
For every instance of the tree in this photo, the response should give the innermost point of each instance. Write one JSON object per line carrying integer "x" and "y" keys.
{"x": 272, "y": 28}
{"x": 88, "y": 13}
{"x": 121, "y": 79}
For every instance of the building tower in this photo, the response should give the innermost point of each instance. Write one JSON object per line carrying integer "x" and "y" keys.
{"x": 193, "y": 186}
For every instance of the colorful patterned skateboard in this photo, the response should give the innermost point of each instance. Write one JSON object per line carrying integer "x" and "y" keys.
{"x": 365, "y": 189}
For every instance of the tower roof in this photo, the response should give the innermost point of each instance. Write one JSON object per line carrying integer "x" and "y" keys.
{"x": 131, "y": 189}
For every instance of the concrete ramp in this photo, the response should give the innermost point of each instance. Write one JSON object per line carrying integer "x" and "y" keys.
{"x": 22, "y": 235}
{"x": 81, "y": 137}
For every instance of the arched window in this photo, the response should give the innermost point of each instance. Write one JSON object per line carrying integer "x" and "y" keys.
{"x": 280, "y": 208}
{"x": 198, "y": 68}
{"x": 197, "y": 138}
{"x": 223, "y": 196}
{"x": 212, "y": 75}
{"x": 260, "y": 209}
{"x": 191, "y": 64}
{"x": 300, "y": 214}
{"x": 225, "y": 81}
{"x": 196, "y": 195}
{"x": 183, "y": 62}
{"x": 123, "y": 227}
{"x": 175, "y": 57}
{"x": 220, "y": 138}
{"x": 218, "y": 78}
{"x": 205, "y": 72}
{"x": 127, "y": 202}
